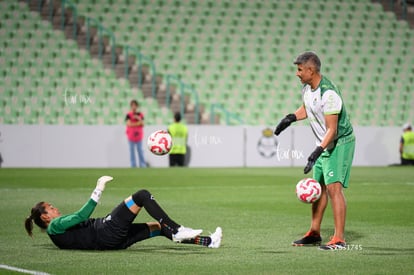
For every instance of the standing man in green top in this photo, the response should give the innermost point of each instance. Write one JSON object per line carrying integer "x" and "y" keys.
{"x": 179, "y": 134}
{"x": 335, "y": 144}
{"x": 407, "y": 145}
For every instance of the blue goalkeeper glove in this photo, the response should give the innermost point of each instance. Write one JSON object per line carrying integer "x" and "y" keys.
{"x": 312, "y": 159}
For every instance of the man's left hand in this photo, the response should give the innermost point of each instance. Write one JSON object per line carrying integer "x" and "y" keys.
{"x": 312, "y": 159}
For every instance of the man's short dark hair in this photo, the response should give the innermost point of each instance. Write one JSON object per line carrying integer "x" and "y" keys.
{"x": 308, "y": 57}
{"x": 177, "y": 117}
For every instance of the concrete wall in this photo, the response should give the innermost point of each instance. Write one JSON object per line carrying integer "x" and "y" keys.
{"x": 211, "y": 146}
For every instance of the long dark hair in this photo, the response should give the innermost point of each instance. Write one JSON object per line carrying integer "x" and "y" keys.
{"x": 35, "y": 216}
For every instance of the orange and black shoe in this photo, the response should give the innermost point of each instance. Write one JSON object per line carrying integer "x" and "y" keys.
{"x": 334, "y": 244}
{"x": 310, "y": 238}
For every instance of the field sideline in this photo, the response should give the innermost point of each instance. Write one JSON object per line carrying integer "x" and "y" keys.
{"x": 256, "y": 208}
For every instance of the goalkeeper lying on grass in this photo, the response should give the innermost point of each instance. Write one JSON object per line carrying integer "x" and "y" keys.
{"x": 116, "y": 230}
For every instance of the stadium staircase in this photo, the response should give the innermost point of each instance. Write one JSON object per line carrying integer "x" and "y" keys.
{"x": 127, "y": 62}
{"x": 403, "y": 9}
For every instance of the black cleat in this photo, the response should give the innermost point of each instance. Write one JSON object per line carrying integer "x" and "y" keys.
{"x": 310, "y": 239}
{"x": 334, "y": 244}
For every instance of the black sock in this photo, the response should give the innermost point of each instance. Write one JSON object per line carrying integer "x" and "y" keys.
{"x": 166, "y": 233}
{"x": 200, "y": 240}
{"x": 143, "y": 198}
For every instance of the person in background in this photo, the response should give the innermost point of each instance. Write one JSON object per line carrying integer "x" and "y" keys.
{"x": 179, "y": 134}
{"x": 135, "y": 133}
{"x": 407, "y": 145}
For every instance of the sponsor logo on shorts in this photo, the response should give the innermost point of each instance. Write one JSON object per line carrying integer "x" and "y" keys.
{"x": 331, "y": 174}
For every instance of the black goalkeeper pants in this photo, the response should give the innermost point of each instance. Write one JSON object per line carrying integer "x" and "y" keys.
{"x": 117, "y": 230}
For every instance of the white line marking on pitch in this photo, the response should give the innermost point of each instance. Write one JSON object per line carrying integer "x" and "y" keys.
{"x": 21, "y": 270}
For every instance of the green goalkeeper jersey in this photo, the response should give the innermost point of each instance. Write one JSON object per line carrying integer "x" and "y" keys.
{"x": 61, "y": 224}
{"x": 326, "y": 99}
{"x": 77, "y": 230}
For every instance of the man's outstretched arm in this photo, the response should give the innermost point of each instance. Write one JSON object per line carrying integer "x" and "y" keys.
{"x": 290, "y": 118}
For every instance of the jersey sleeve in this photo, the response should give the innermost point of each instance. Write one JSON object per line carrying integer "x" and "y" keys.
{"x": 61, "y": 224}
{"x": 303, "y": 93}
{"x": 331, "y": 103}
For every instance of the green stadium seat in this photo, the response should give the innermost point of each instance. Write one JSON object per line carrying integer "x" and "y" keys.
{"x": 42, "y": 65}
{"x": 229, "y": 48}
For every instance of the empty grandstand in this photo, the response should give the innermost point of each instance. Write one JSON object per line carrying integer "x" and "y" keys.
{"x": 227, "y": 58}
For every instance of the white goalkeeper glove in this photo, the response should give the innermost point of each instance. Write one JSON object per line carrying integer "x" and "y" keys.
{"x": 100, "y": 186}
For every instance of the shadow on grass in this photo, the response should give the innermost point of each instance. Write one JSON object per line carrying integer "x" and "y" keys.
{"x": 388, "y": 251}
{"x": 168, "y": 249}
{"x": 176, "y": 249}
{"x": 351, "y": 236}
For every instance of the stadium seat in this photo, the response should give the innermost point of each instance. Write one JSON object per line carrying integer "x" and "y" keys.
{"x": 46, "y": 73}
{"x": 233, "y": 52}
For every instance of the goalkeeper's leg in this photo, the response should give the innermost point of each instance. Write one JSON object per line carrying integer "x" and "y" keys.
{"x": 212, "y": 241}
{"x": 142, "y": 231}
{"x": 169, "y": 227}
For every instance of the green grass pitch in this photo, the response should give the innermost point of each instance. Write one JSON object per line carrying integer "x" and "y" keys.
{"x": 256, "y": 208}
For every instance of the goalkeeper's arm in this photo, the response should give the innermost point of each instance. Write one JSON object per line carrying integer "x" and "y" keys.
{"x": 290, "y": 118}
{"x": 300, "y": 113}
{"x": 61, "y": 224}
{"x": 100, "y": 187}
{"x": 331, "y": 130}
